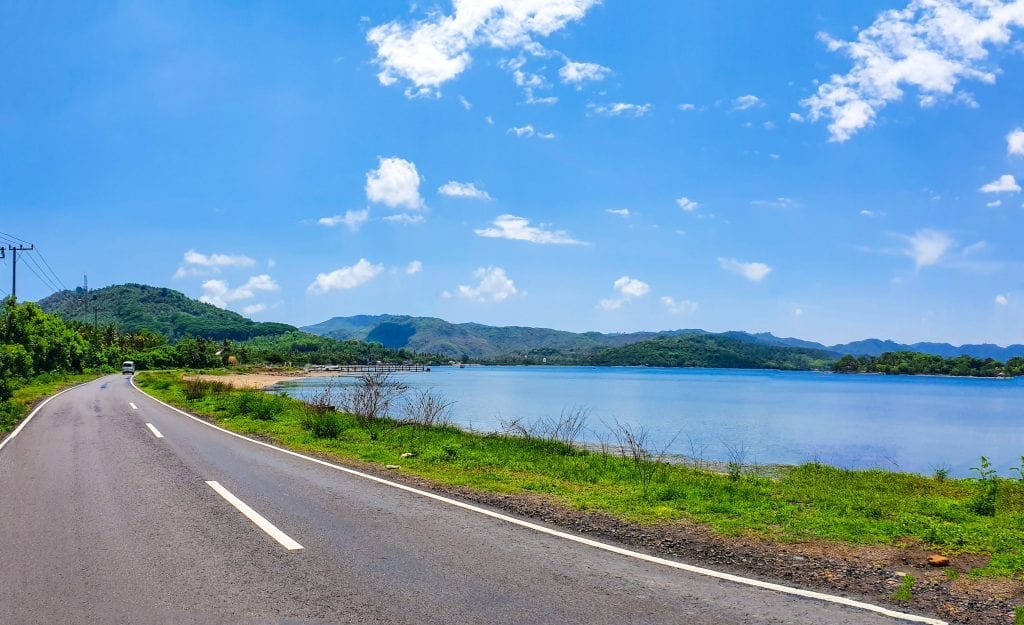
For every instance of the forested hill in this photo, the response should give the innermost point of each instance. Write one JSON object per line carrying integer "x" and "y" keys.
{"x": 474, "y": 340}
{"x": 518, "y": 344}
{"x": 709, "y": 350}
{"x": 135, "y": 307}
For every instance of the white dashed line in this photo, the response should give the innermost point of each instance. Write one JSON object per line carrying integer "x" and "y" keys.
{"x": 155, "y": 431}
{"x": 134, "y": 407}
{"x": 255, "y": 517}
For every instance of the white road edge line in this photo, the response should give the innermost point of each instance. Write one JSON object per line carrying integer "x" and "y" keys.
{"x": 156, "y": 432}
{"x": 746, "y": 581}
{"x": 255, "y": 517}
{"x": 25, "y": 421}
{"x": 134, "y": 407}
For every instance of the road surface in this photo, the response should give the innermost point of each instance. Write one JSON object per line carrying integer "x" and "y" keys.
{"x": 115, "y": 509}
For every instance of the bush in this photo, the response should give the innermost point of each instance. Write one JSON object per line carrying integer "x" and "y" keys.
{"x": 371, "y": 397}
{"x": 196, "y": 388}
{"x": 322, "y": 423}
{"x": 257, "y": 404}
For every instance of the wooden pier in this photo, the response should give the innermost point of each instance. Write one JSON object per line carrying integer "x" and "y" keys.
{"x": 376, "y": 368}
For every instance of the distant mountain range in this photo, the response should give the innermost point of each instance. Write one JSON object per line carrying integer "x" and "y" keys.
{"x": 477, "y": 341}
{"x": 134, "y": 307}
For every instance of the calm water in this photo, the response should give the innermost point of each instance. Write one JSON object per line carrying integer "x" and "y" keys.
{"x": 910, "y": 423}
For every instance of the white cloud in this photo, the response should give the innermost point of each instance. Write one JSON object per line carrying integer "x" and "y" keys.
{"x": 686, "y": 106}
{"x": 686, "y": 204}
{"x": 345, "y": 278}
{"x": 352, "y": 219}
{"x": 220, "y": 294}
{"x": 779, "y": 202}
{"x": 682, "y": 307}
{"x": 519, "y": 229}
{"x": 616, "y": 109}
{"x": 463, "y": 189}
{"x": 621, "y": 212}
{"x": 198, "y": 264}
{"x": 405, "y": 219}
{"x": 768, "y": 125}
{"x": 529, "y": 131}
{"x": 930, "y": 45}
{"x": 414, "y": 267}
{"x": 796, "y": 117}
{"x": 532, "y": 99}
{"x": 1004, "y": 184}
{"x": 994, "y": 203}
{"x": 744, "y": 102}
{"x": 631, "y": 287}
{"x": 394, "y": 183}
{"x": 432, "y": 51}
{"x": 195, "y": 258}
{"x": 868, "y": 213}
{"x": 974, "y": 248}
{"x": 489, "y": 120}
{"x": 494, "y": 286}
{"x": 466, "y": 104}
{"x": 798, "y": 312}
{"x": 1002, "y": 300}
{"x": 628, "y": 289}
{"x": 927, "y": 247}
{"x": 573, "y": 73}
{"x": 755, "y": 272}
{"x": 253, "y": 309}
{"x": 1015, "y": 142}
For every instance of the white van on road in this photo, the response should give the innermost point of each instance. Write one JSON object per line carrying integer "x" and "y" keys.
{"x": 127, "y": 367}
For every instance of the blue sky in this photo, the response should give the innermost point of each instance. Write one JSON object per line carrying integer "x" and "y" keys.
{"x": 827, "y": 170}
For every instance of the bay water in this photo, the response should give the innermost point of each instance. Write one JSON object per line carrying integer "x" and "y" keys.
{"x": 906, "y": 423}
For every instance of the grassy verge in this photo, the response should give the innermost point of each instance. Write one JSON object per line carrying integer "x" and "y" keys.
{"x": 807, "y": 502}
{"x": 14, "y": 410}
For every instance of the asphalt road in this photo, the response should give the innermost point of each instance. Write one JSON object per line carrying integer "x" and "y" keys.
{"x": 102, "y": 522}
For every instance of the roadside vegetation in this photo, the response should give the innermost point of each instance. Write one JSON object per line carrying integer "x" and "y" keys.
{"x": 39, "y": 354}
{"x": 380, "y": 422}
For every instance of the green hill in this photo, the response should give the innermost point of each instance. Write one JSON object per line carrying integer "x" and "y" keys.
{"x": 477, "y": 341}
{"x": 711, "y": 350}
{"x": 134, "y": 307}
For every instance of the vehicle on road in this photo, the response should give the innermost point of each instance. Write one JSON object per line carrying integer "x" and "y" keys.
{"x": 127, "y": 367}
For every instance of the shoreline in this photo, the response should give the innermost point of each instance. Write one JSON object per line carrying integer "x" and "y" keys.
{"x": 264, "y": 380}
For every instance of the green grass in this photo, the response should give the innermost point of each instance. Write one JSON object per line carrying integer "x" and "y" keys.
{"x": 903, "y": 593}
{"x": 802, "y": 503}
{"x": 14, "y": 410}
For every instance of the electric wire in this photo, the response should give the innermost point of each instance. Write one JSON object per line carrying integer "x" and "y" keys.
{"x": 42, "y": 278}
{"x": 13, "y": 239}
{"x": 52, "y": 279}
{"x": 52, "y": 272}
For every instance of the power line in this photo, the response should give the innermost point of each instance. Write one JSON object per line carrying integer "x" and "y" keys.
{"x": 40, "y": 273}
{"x": 12, "y": 239}
{"x": 52, "y": 272}
{"x": 52, "y": 279}
{"x": 33, "y": 266}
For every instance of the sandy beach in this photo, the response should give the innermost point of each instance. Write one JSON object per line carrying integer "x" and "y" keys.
{"x": 264, "y": 379}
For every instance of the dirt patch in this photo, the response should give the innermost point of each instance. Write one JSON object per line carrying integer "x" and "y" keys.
{"x": 263, "y": 379}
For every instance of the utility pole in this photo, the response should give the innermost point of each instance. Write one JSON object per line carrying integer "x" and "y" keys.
{"x": 14, "y": 265}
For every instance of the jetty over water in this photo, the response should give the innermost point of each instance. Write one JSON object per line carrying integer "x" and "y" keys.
{"x": 375, "y": 368}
